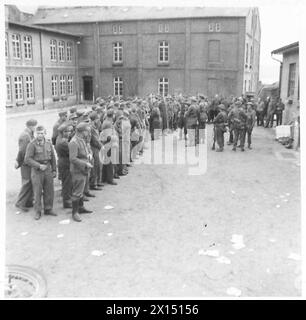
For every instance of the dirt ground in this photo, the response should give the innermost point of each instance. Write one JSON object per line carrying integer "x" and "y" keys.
{"x": 162, "y": 219}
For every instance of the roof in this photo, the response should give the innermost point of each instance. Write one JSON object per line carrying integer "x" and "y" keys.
{"x": 285, "y": 49}
{"x": 50, "y": 15}
{"x": 39, "y": 28}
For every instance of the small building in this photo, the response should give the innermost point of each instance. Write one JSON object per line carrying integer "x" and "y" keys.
{"x": 289, "y": 80}
{"x": 41, "y": 64}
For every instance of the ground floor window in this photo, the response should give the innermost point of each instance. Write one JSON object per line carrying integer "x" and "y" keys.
{"x": 118, "y": 86}
{"x": 18, "y": 88}
{"x": 30, "y": 87}
{"x": 8, "y": 89}
{"x": 62, "y": 85}
{"x": 70, "y": 84}
{"x": 163, "y": 86}
{"x": 54, "y": 86}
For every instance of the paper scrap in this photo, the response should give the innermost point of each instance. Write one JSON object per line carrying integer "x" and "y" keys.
{"x": 105, "y": 222}
{"x": 272, "y": 240}
{"x": 231, "y": 252}
{"x": 66, "y": 221}
{"x": 232, "y": 291}
{"x": 288, "y": 194}
{"x": 277, "y": 206}
{"x": 238, "y": 246}
{"x": 98, "y": 253}
{"x": 24, "y": 233}
{"x": 294, "y": 256}
{"x": 233, "y": 192}
{"x": 17, "y": 212}
{"x": 108, "y": 207}
{"x": 60, "y": 235}
{"x": 210, "y": 253}
{"x": 237, "y": 240}
{"x": 223, "y": 259}
{"x": 109, "y": 234}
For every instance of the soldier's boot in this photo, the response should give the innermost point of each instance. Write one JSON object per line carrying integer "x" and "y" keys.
{"x": 75, "y": 209}
{"x": 37, "y": 215}
{"x": 249, "y": 146}
{"x": 67, "y": 204}
{"x": 81, "y": 208}
{"x": 219, "y": 150}
{"x": 242, "y": 149}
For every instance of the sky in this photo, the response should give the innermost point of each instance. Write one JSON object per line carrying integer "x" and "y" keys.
{"x": 281, "y": 21}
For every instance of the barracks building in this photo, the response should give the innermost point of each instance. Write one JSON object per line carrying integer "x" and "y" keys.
{"x": 66, "y": 55}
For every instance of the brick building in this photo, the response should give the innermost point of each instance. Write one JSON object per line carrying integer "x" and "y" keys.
{"x": 41, "y": 64}
{"x": 138, "y": 50}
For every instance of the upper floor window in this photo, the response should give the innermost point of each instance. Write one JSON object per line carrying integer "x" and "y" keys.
{"x": 6, "y": 45}
{"x": 53, "y": 50}
{"x": 18, "y": 88}
{"x": 163, "y": 27}
{"x": 8, "y": 89}
{"x": 70, "y": 84}
{"x": 61, "y": 51}
{"x": 54, "y": 86}
{"x": 117, "y": 28}
{"x": 62, "y": 85}
{"x": 29, "y": 87}
{"x": 118, "y": 86}
{"x": 163, "y": 56}
{"x": 160, "y": 28}
{"x": 247, "y": 53}
{"x": 211, "y": 27}
{"x": 27, "y": 42}
{"x": 117, "y": 52}
{"x": 218, "y": 27}
{"x": 166, "y": 27}
{"x": 69, "y": 51}
{"x": 163, "y": 86}
{"x": 291, "y": 79}
{"x": 16, "y": 46}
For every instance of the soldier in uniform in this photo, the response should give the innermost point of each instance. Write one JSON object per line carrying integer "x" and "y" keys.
{"x": 202, "y": 121}
{"x": 239, "y": 120}
{"x": 25, "y": 197}
{"x": 251, "y": 119}
{"x": 155, "y": 123}
{"x": 79, "y": 168}
{"x": 220, "y": 128}
{"x": 280, "y": 107}
{"x": 63, "y": 163}
{"x": 62, "y": 119}
{"x": 191, "y": 117}
{"x": 40, "y": 157}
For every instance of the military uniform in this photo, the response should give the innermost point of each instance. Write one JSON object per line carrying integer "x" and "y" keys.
{"x": 239, "y": 123}
{"x": 155, "y": 123}
{"x": 192, "y": 124}
{"x": 220, "y": 121}
{"x": 37, "y": 154}
{"x": 25, "y": 196}
{"x": 251, "y": 119}
{"x": 56, "y": 126}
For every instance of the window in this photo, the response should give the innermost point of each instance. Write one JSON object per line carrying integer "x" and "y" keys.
{"x": 247, "y": 53}
{"x": 8, "y": 89}
{"x": 211, "y": 27}
{"x": 160, "y": 28}
{"x": 70, "y": 85}
{"x": 62, "y": 85}
{"x": 218, "y": 27}
{"x": 16, "y": 46}
{"x": 163, "y": 86}
{"x": 163, "y": 56}
{"x": 54, "y": 86}
{"x": 245, "y": 85}
{"x": 27, "y": 42}
{"x": 117, "y": 52}
{"x": 6, "y": 46}
{"x": 61, "y": 51}
{"x": 69, "y": 51}
{"x": 30, "y": 87}
{"x": 118, "y": 86}
{"x": 291, "y": 79}
{"x": 53, "y": 50}
{"x": 166, "y": 27}
{"x": 115, "y": 29}
{"x": 214, "y": 51}
{"x": 18, "y": 88}
{"x": 120, "y": 28}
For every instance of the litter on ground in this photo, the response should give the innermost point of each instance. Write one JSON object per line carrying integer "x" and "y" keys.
{"x": 66, "y": 221}
{"x": 24, "y": 233}
{"x": 105, "y": 222}
{"x": 210, "y": 253}
{"x": 294, "y": 256}
{"x": 223, "y": 259}
{"x": 17, "y": 212}
{"x": 237, "y": 240}
{"x": 98, "y": 253}
{"x": 60, "y": 235}
{"x": 108, "y": 207}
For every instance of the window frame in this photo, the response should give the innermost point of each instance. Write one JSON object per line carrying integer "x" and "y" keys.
{"x": 160, "y": 28}
{"x": 162, "y": 49}
{"x": 115, "y": 29}
{"x": 54, "y": 81}
{"x": 162, "y": 83}
{"x": 53, "y": 50}
{"x": 20, "y": 82}
{"x": 9, "y": 89}
{"x": 62, "y": 88}
{"x": 211, "y": 27}
{"x": 27, "y": 82}
{"x": 70, "y": 84}
{"x": 167, "y": 27}
{"x": 61, "y": 48}
{"x": 27, "y": 46}
{"x": 120, "y": 28}
{"x": 218, "y": 26}
{"x": 117, "y": 50}
{"x": 69, "y": 50}
{"x": 14, "y": 43}
{"x": 291, "y": 79}
{"x": 7, "y": 52}
{"x": 118, "y": 86}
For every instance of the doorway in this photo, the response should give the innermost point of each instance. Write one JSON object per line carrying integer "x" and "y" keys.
{"x": 88, "y": 88}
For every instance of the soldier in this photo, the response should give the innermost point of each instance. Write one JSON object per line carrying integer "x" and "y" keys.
{"x": 202, "y": 121}
{"x": 135, "y": 132}
{"x": 251, "y": 119}
{"x": 79, "y": 168}
{"x": 230, "y": 126}
{"x": 62, "y": 119}
{"x": 191, "y": 117}
{"x": 25, "y": 197}
{"x": 96, "y": 145}
{"x": 280, "y": 107}
{"x": 220, "y": 128}
{"x": 40, "y": 157}
{"x": 260, "y": 112}
{"x": 155, "y": 123}
{"x": 270, "y": 114}
{"x": 73, "y": 119}
{"x": 239, "y": 120}
{"x": 72, "y": 110}
{"x": 62, "y": 150}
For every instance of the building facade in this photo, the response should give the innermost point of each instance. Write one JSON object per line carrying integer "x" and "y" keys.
{"x": 41, "y": 66}
{"x": 289, "y": 80}
{"x": 135, "y": 51}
